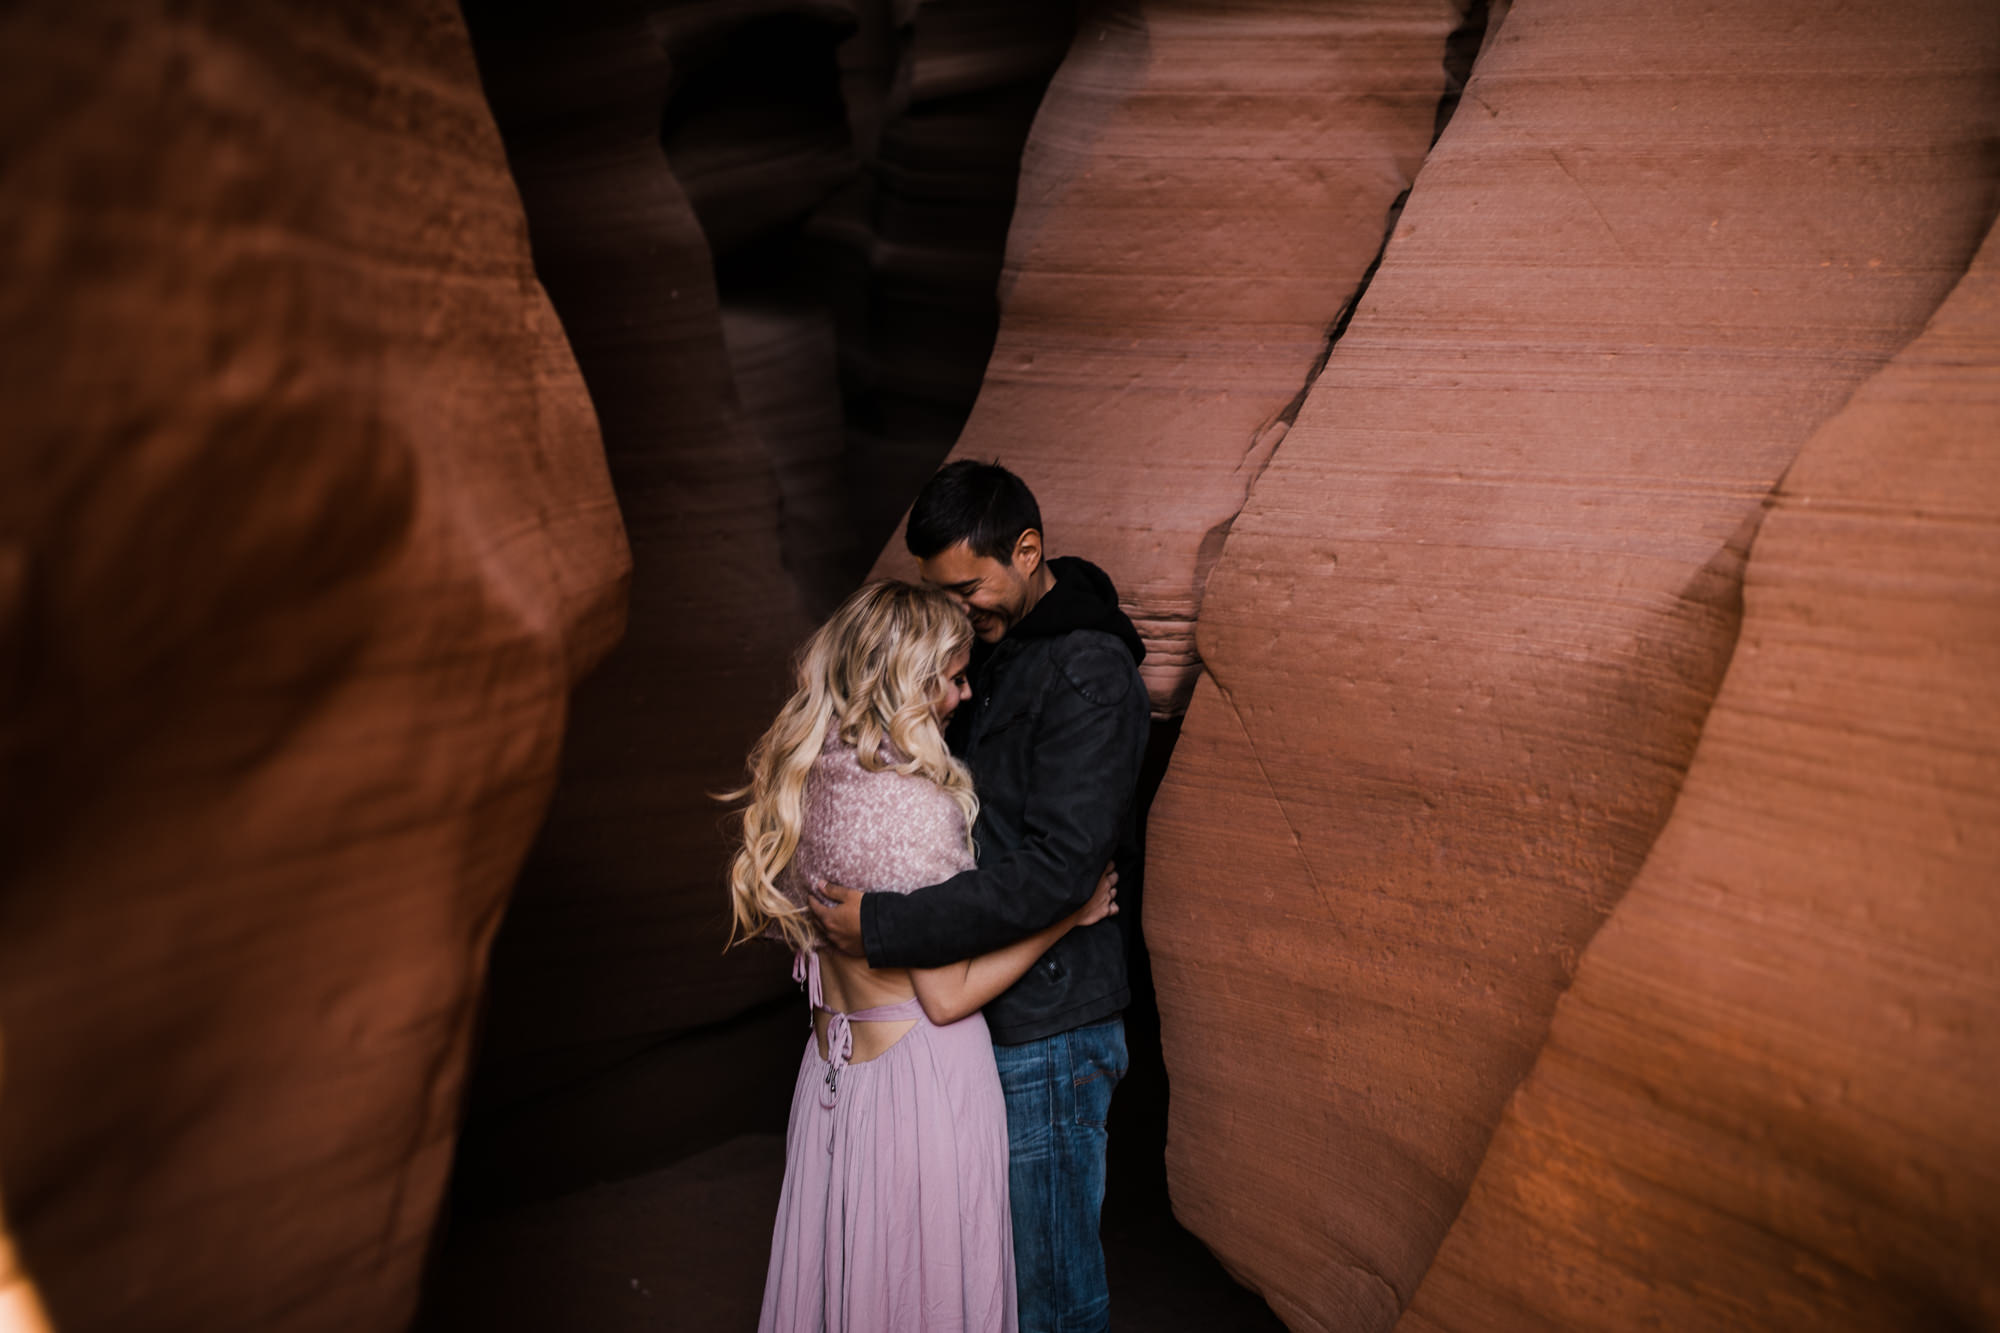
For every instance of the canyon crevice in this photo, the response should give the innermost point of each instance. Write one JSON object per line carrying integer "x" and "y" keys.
{"x": 1202, "y": 193}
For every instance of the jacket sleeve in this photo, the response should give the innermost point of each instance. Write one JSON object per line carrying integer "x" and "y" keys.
{"x": 1087, "y": 748}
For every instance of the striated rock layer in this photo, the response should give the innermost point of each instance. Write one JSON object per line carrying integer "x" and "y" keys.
{"x": 305, "y": 534}
{"x": 1462, "y": 639}
{"x": 1204, "y": 188}
{"x": 1767, "y": 1100}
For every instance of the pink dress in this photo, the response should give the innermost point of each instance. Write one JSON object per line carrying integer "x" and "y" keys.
{"x": 894, "y": 1211}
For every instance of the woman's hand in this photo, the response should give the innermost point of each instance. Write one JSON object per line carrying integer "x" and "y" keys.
{"x": 1103, "y": 900}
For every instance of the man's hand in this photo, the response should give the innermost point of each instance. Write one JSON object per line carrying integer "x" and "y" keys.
{"x": 838, "y": 912}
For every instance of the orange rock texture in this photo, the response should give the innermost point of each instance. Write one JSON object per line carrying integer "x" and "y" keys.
{"x": 1767, "y": 1100}
{"x": 1460, "y": 645}
{"x": 20, "y": 1304}
{"x": 305, "y": 534}
{"x": 1204, "y": 188}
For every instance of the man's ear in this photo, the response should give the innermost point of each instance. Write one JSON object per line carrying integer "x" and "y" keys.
{"x": 1028, "y": 552}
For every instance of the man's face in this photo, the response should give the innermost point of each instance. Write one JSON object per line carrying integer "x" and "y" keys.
{"x": 995, "y": 594}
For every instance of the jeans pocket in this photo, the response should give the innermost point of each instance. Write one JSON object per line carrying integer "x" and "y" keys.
{"x": 1097, "y": 1062}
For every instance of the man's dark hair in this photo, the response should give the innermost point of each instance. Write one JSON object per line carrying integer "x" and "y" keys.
{"x": 981, "y": 504}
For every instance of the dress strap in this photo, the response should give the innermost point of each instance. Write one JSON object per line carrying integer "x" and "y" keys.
{"x": 889, "y": 1013}
{"x": 839, "y": 1036}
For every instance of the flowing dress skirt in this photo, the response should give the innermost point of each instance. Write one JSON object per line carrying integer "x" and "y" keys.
{"x": 894, "y": 1210}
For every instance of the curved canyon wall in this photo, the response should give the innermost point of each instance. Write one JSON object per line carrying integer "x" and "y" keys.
{"x": 305, "y": 534}
{"x": 610, "y": 964}
{"x": 310, "y": 532}
{"x": 746, "y": 214}
{"x": 940, "y": 98}
{"x": 1767, "y": 1100}
{"x": 1205, "y": 187}
{"x": 1461, "y": 642}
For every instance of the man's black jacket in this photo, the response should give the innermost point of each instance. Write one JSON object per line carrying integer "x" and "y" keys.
{"x": 1054, "y": 734}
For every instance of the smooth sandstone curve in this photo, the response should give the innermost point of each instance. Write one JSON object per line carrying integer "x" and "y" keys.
{"x": 1462, "y": 639}
{"x": 1204, "y": 188}
{"x": 1767, "y": 1101}
{"x": 305, "y": 534}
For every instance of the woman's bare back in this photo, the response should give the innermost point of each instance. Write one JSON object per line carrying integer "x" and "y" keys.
{"x": 850, "y": 985}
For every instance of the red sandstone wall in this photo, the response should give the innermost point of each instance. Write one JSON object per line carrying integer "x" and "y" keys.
{"x": 305, "y": 534}
{"x": 1202, "y": 192}
{"x": 1462, "y": 640}
{"x": 1767, "y": 1100}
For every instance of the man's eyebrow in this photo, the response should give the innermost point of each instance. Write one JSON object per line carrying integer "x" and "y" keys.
{"x": 959, "y": 586}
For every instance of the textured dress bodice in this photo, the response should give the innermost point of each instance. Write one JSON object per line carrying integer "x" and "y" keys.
{"x": 881, "y": 832}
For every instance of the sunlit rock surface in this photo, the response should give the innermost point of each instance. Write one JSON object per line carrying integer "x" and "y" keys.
{"x": 1767, "y": 1100}
{"x": 305, "y": 533}
{"x": 1204, "y": 188}
{"x": 1462, "y": 640}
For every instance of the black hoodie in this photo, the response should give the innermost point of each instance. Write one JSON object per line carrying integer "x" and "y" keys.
{"x": 1054, "y": 735}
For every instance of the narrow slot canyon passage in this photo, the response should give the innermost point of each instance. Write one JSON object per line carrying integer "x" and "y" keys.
{"x": 1545, "y": 452}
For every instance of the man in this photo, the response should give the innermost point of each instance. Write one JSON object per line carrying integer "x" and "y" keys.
{"x": 1054, "y": 736}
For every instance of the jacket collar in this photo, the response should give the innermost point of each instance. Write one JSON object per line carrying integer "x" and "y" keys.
{"x": 1083, "y": 597}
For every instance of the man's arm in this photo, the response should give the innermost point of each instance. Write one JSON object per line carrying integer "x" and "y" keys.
{"x": 955, "y": 990}
{"x": 1089, "y": 744}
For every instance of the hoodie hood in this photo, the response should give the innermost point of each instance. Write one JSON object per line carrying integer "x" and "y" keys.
{"x": 1083, "y": 598}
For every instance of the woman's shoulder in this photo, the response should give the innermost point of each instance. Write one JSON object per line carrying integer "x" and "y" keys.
{"x": 877, "y": 824}
{"x": 840, "y": 761}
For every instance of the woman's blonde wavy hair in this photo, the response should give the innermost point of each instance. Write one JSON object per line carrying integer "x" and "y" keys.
{"x": 872, "y": 670}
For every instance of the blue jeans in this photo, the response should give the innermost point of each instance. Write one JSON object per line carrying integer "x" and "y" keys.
{"x": 1058, "y": 1097}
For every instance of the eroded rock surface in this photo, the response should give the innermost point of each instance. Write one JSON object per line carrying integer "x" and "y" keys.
{"x": 305, "y": 534}
{"x": 1767, "y": 1101}
{"x": 1462, "y": 639}
{"x": 1202, "y": 192}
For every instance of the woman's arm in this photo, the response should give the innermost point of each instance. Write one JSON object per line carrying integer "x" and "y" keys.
{"x": 958, "y": 990}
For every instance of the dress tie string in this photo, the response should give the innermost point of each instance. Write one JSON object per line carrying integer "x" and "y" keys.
{"x": 839, "y": 1033}
{"x": 839, "y": 1028}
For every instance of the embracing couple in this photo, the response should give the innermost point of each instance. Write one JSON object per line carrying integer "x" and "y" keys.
{"x": 935, "y": 823}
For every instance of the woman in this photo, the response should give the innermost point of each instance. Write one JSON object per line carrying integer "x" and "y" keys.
{"x": 894, "y": 1209}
